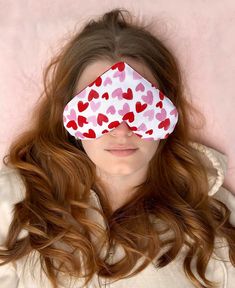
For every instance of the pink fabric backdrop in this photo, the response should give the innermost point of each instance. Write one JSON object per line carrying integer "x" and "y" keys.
{"x": 200, "y": 32}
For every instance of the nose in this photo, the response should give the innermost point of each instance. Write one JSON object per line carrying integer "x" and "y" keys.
{"x": 121, "y": 130}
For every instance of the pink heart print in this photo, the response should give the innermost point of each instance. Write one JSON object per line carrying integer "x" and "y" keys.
{"x": 125, "y": 109}
{"x": 111, "y": 110}
{"x": 72, "y": 115}
{"x": 174, "y": 112}
{"x": 136, "y": 75}
{"x": 162, "y": 115}
{"x": 93, "y": 120}
{"x": 117, "y": 95}
{"x": 140, "y": 87}
{"x": 78, "y": 134}
{"x": 107, "y": 81}
{"x": 149, "y": 114}
{"x": 95, "y": 106}
{"x": 82, "y": 94}
{"x": 148, "y": 98}
{"x": 121, "y": 75}
{"x": 142, "y": 127}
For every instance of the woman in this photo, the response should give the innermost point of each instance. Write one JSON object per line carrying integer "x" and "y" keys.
{"x": 86, "y": 215}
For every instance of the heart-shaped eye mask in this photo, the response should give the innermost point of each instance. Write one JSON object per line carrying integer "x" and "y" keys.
{"x": 120, "y": 94}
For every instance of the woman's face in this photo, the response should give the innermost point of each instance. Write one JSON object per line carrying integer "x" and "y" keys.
{"x": 98, "y": 149}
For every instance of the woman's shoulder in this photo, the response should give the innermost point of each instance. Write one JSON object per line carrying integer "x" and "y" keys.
{"x": 12, "y": 190}
{"x": 216, "y": 163}
{"x": 217, "y": 166}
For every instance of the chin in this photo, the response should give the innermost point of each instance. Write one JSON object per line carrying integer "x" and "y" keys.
{"x": 121, "y": 171}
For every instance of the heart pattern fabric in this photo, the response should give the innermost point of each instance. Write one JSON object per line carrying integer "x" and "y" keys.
{"x": 120, "y": 94}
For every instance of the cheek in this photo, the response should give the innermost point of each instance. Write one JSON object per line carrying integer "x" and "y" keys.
{"x": 93, "y": 152}
{"x": 89, "y": 148}
{"x": 152, "y": 149}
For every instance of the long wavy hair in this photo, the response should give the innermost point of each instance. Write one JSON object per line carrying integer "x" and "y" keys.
{"x": 58, "y": 175}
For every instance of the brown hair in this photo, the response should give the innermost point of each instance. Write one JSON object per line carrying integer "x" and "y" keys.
{"x": 58, "y": 174}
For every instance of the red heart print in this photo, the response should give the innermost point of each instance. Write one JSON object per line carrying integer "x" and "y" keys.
{"x": 113, "y": 124}
{"x": 128, "y": 95}
{"x": 72, "y": 124}
{"x": 97, "y": 82}
{"x": 90, "y": 134}
{"x": 93, "y": 94}
{"x": 161, "y": 95}
{"x": 82, "y": 120}
{"x": 159, "y": 104}
{"x": 134, "y": 128}
{"x": 119, "y": 65}
{"x": 102, "y": 118}
{"x": 166, "y": 136}
{"x": 105, "y": 95}
{"x": 105, "y": 131}
{"x": 138, "y": 135}
{"x": 140, "y": 107}
{"x": 150, "y": 132}
{"x": 82, "y": 106}
{"x": 164, "y": 124}
{"x": 129, "y": 116}
{"x": 154, "y": 85}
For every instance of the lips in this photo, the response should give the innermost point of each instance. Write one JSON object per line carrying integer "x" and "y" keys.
{"x": 121, "y": 148}
{"x": 123, "y": 152}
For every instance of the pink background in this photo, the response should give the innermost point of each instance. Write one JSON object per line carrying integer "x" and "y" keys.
{"x": 201, "y": 33}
